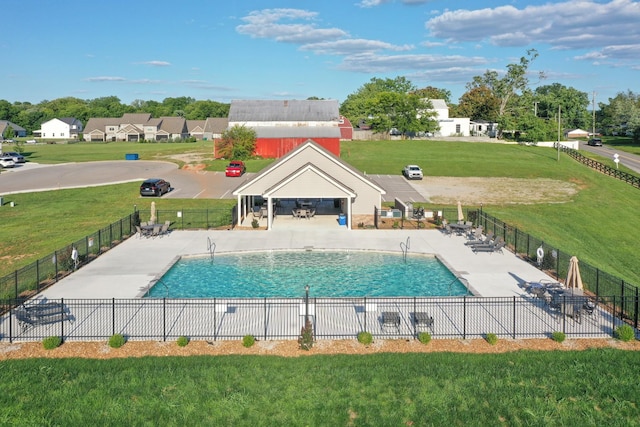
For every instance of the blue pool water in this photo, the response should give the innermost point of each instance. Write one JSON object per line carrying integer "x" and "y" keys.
{"x": 328, "y": 274}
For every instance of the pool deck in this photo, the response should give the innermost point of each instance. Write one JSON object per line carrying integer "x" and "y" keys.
{"x": 128, "y": 269}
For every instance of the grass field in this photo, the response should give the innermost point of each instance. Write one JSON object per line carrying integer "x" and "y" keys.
{"x": 594, "y": 225}
{"x": 436, "y": 389}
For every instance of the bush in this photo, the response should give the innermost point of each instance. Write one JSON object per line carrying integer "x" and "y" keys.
{"x": 558, "y": 336}
{"x": 117, "y": 341}
{"x": 625, "y": 333}
{"x": 305, "y": 341}
{"x": 365, "y": 338}
{"x": 424, "y": 337}
{"x": 491, "y": 339}
{"x": 255, "y": 223}
{"x": 182, "y": 341}
{"x": 248, "y": 340}
{"x": 50, "y": 343}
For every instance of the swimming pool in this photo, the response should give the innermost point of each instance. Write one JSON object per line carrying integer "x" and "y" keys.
{"x": 328, "y": 273}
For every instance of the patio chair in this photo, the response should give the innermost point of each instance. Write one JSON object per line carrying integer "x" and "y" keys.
{"x": 257, "y": 212}
{"x": 486, "y": 241}
{"x": 311, "y": 213}
{"x": 139, "y": 231}
{"x": 391, "y": 319}
{"x": 447, "y": 230}
{"x": 476, "y": 235}
{"x": 164, "y": 229}
{"x": 44, "y": 308}
{"x": 156, "y": 230}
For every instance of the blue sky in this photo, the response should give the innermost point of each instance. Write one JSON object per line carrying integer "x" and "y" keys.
{"x": 278, "y": 49}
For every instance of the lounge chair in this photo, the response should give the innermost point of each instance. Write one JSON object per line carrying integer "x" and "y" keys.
{"x": 422, "y": 319}
{"x": 486, "y": 241}
{"x": 29, "y": 319}
{"x": 492, "y": 247}
{"x": 476, "y": 235}
{"x": 391, "y": 319}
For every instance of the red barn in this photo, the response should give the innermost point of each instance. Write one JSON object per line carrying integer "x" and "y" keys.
{"x": 283, "y": 125}
{"x": 346, "y": 128}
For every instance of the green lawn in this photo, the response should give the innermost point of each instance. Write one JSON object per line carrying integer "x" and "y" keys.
{"x": 594, "y": 226}
{"x": 595, "y": 387}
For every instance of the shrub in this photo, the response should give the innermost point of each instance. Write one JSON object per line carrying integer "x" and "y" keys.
{"x": 255, "y": 223}
{"x": 625, "y": 333}
{"x": 491, "y": 339}
{"x": 424, "y": 337}
{"x": 117, "y": 341}
{"x": 50, "y": 343}
{"x": 365, "y": 338}
{"x": 182, "y": 341}
{"x": 248, "y": 340}
{"x": 305, "y": 341}
{"x": 558, "y": 336}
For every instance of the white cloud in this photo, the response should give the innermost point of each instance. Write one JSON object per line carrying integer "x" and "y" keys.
{"x": 352, "y": 46}
{"x": 157, "y": 63}
{"x": 267, "y": 24}
{"x": 369, "y": 63}
{"x": 105, "y": 79}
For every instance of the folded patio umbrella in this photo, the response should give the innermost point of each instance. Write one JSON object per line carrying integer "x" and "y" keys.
{"x": 573, "y": 275}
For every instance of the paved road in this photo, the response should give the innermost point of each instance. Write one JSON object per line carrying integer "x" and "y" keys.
{"x": 630, "y": 161}
{"x": 185, "y": 184}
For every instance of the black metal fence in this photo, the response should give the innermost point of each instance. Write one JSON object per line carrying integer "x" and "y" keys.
{"x": 27, "y": 281}
{"x": 607, "y": 170}
{"x": 334, "y": 318}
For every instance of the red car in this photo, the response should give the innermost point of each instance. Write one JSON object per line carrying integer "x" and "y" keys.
{"x": 235, "y": 168}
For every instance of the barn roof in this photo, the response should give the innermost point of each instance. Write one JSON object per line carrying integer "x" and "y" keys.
{"x": 284, "y": 111}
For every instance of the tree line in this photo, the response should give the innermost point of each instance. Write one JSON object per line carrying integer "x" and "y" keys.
{"x": 506, "y": 98}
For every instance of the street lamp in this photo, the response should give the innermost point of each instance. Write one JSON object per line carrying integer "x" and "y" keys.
{"x": 306, "y": 304}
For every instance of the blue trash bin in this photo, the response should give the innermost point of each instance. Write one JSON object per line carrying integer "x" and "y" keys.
{"x": 131, "y": 156}
{"x": 342, "y": 219}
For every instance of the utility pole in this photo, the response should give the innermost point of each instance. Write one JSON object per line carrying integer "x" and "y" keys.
{"x": 559, "y": 120}
{"x": 593, "y": 107}
{"x": 535, "y": 108}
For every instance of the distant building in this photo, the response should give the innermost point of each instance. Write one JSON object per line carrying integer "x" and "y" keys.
{"x": 136, "y": 127}
{"x": 18, "y": 131}
{"x": 62, "y": 128}
{"x": 454, "y": 126}
{"x": 281, "y": 126}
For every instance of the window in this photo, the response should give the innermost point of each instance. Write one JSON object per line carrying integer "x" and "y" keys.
{"x": 458, "y": 128}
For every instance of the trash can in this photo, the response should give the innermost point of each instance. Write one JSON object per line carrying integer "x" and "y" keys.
{"x": 131, "y": 156}
{"x": 342, "y": 219}
{"x": 1, "y": 201}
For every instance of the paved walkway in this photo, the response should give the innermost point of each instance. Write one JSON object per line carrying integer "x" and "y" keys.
{"x": 127, "y": 269}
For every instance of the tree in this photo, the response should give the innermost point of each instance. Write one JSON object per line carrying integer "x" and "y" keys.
{"x": 572, "y": 102}
{"x": 431, "y": 92}
{"x": 239, "y": 142}
{"x": 508, "y": 89}
{"x": 622, "y": 114}
{"x": 479, "y": 104}
{"x": 389, "y": 103}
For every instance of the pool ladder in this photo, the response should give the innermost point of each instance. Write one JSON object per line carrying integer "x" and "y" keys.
{"x": 404, "y": 247}
{"x": 211, "y": 247}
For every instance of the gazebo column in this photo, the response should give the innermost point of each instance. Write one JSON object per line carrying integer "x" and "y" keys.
{"x": 269, "y": 213}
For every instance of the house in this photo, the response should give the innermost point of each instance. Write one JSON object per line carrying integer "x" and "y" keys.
{"x": 455, "y": 126}
{"x": 18, "y": 131}
{"x": 281, "y": 126}
{"x": 310, "y": 171}
{"x": 195, "y": 128}
{"x": 136, "y": 127}
{"x": 577, "y": 133}
{"x": 484, "y": 128}
{"x": 214, "y": 127}
{"x": 62, "y": 128}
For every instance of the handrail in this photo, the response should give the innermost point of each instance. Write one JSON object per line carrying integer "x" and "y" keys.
{"x": 405, "y": 248}
{"x": 211, "y": 247}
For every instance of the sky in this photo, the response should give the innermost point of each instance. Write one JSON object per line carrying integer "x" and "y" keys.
{"x": 294, "y": 49}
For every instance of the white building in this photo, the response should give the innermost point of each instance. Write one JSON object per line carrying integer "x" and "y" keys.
{"x": 457, "y": 126}
{"x": 62, "y": 128}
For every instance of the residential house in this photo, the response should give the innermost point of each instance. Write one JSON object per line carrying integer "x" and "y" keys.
{"x": 136, "y": 127}
{"x": 449, "y": 126}
{"x": 18, "y": 131}
{"x": 62, "y": 128}
{"x": 484, "y": 128}
{"x": 281, "y": 126}
{"x": 196, "y": 128}
{"x": 214, "y": 127}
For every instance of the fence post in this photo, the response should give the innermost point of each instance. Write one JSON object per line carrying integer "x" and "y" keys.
{"x": 15, "y": 282}
{"x": 415, "y": 331}
{"x": 265, "y": 319}
{"x": 164, "y": 319}
{"x": 613, "y": 318}
{"x": 464, "y": 317}
{"x": 113, "y": 316}
{"x": 635, "y": 310}
{"x": 514, "y": 317}
{"x": 62, "y": 321}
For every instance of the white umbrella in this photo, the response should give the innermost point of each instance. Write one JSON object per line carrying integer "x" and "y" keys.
{"x": 573, "y": 275}
{"x": 460, "y": 214}
{"x": 153, "y": 218}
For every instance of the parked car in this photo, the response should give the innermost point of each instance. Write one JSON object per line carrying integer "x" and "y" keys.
{"x": 235, "y": 168}
{"x": 596, "y": 142}
{"x": 16, "y": 157}
{"x": 412, "y": 172}
{"x": 7, "y": 162}
{"x": 154, "y": 187}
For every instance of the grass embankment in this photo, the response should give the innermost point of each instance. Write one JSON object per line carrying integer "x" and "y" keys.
{"x": 523, "y": 388}
{"x": 596, "y": 225}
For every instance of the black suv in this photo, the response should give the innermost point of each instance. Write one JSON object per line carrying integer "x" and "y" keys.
{"x": 596, "y": 142}
{"x": 154, "y": 187}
